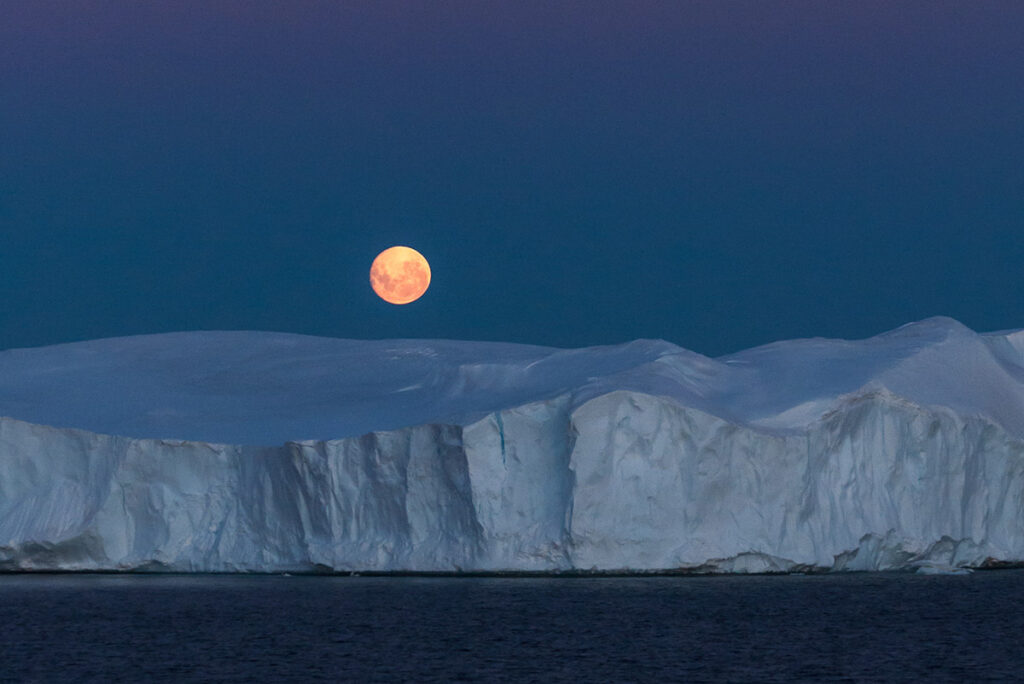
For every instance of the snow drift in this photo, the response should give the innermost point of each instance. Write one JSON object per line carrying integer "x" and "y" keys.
{"x": 270, "y": 452}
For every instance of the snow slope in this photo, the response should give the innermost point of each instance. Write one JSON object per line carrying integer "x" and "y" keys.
{"x": 222, "y": 451}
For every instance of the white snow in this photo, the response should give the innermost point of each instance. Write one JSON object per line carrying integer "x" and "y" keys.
{"x": 222, "y": 451}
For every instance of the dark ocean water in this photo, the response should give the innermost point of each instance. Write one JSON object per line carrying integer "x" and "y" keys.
{"x": 865, "y": 627}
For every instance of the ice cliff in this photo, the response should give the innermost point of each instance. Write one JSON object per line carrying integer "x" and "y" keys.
{"x": 235, "y": 451}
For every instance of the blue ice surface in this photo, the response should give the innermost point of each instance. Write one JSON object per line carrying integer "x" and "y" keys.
{"x": 242, "y": 387}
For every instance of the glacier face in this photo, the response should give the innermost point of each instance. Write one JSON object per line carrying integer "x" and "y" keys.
{"x": 900, "y": 451}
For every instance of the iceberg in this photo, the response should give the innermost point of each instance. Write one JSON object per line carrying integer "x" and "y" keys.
{"x": 271, "y": 452}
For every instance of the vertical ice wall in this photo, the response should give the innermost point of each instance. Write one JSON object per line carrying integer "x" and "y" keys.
{"x": 624, "y": 481}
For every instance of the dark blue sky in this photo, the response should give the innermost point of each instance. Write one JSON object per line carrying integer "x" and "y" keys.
{"x": 717, "y": 174}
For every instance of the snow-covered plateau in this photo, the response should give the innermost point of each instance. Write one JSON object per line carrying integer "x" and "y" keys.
{"x": 267, "y": 452}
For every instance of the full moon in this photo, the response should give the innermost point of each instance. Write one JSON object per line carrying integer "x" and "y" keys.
{"x": 400, "y": 275}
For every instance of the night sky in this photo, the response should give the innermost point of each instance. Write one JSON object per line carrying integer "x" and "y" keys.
{"x": 716, "y": 174}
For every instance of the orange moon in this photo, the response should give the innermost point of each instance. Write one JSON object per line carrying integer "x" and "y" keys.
{"x": 400, "y": 275}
